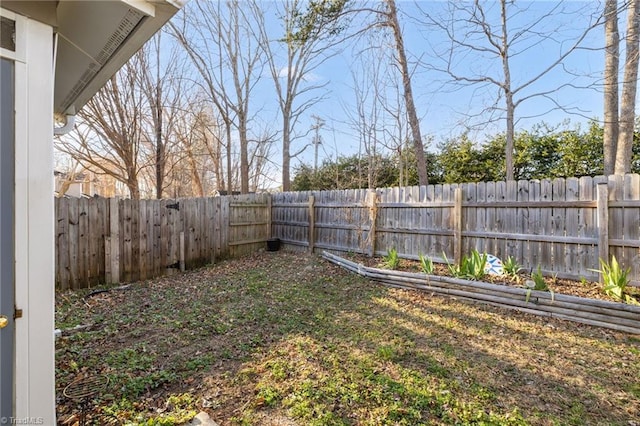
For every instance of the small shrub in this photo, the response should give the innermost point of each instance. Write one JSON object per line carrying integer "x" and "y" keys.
{"x": 511, "y": 267}
{"x": 615, "y": 280}
{"x": 475, "y": 265}
{"x": 391, "y": 260}
{"x": 452, "y": 267}
{"x": 539, "y": 284}
{"x": 426, "y": 264}
{"x": 471, "y": 267}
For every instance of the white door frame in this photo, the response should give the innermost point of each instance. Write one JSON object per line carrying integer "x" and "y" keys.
{"x": 34, "y": 373}
{"x": 7, "y": 244}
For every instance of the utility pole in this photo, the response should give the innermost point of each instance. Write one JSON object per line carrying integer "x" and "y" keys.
{"x": 317, "y": 139}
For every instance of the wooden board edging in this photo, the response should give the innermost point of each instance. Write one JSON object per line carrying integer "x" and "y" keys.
{"x": 600, "y": 313}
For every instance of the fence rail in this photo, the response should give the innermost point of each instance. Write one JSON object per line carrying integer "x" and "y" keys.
{"x": 112, "y": 240}
{"x": 562, "y": 225}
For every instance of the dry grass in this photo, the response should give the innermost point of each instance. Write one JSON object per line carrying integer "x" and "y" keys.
{"x": 289, "y": 339}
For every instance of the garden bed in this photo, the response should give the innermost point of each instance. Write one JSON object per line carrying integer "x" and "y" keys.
{"x": 601, "y": 313}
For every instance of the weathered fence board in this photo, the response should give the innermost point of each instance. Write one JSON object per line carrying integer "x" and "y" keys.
{"x": 551, "y": 224}
{"x": 248, "y": 223}
{"x": 73, "y": 248}
{"x": 62, "y": 240}
{"x": 546, "y": 222}
{"x": 109, "y": 240}
{"x": 631, "y": 228}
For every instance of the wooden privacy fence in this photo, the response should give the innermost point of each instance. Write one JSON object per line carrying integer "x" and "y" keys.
{"x": 102, "y": 240}
{"x": 562, "y": 225}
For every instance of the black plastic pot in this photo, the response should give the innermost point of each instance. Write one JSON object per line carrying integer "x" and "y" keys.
{"x": 273, "y": 244}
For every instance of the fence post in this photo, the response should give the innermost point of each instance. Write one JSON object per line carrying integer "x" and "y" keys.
{"x": 108, "y": 278}
{"x": 113, "y": 240}
{"x": 181, "y": 254}
{"x": 457, "y": 225}
{"x": 373, "y": 217}
{"x": 312, "y": 223}
{"x": 269, "y": 225}
{"x": 225, "y": 220}
{"x": 603, "y": 222}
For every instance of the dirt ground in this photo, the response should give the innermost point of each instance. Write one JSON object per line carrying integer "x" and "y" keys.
{"x": 287, "y": 338}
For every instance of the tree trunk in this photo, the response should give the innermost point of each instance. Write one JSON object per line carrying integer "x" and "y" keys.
{"x": 134, "y": 189}
{"x": 612, "y": 40}
{"x": 509, "y": 139}
{"x": 157, "y": 109}
{"x": 414, "y": 123}
{"x": 197, "y": 189}
{"x": 244, "y": 156}
{"x": 286, "y": 154}
{"x": 212, "y": 139}
{"x": 508, "y": 95}
{"x": 69, "y": 178}
{"x": 160, "y": 148}
{"x": 219, "y": 168}
{"x": 626, "y": 123}
{"x": 229, "y": 160}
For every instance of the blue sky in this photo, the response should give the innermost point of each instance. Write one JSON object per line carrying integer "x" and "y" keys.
{"x": 441, "y": 105}
{"x": 446, "y": 110}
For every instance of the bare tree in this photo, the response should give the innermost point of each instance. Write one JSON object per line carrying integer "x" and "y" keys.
{"x": 67, "y": 178}
{"x": 160, "y": 79}
{"x": 259, "y": 162}
{"x": 196, "y": 135}
{"x": 392, "y": 90}
{"x": 391, "y": 20}
{"x": 624, "y": 147}
{"x": 395, "y": 136}
{"x": 611, "y": 71}
{"x": 311, "y": 30}
{"x": 128, "y": 129}
{"x": 378, "y": 116}
{"x": 108, "y": 138}
{"x": 386, "y": 16}
{"x": 483, "y": 43}
{"x": 222, "y": 45}
{"x": 364, "y": 116}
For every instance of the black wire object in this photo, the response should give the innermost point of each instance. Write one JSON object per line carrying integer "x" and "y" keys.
{"x": 83, "y": 390}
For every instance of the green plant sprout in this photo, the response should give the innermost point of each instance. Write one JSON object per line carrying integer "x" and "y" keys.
{"x": 539, "y": 281}
{"x": 391, "y": 260}
{"x": 476, "y": 264}
{"x": 452, "y": 267}
{"x": 539, "y": 284}
{"x": 511, "y": 267}
{"x": 426, "y": 263}
{"x": 471, "y": 267}
{"x": 615, "y": 280}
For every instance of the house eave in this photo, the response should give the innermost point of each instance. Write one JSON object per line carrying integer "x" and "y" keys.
{"x": 94, "y": 40}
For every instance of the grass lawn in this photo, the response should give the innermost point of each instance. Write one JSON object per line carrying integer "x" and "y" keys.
{"x": 288, "y": 339}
